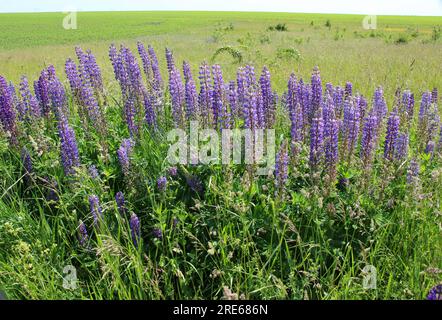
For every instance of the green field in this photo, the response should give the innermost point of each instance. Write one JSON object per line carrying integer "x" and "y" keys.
{"x": 221, "y": 231}
{"x": 343, "y": 51}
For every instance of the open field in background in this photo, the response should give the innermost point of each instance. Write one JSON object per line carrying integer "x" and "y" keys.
{"x": 402, "y": 52}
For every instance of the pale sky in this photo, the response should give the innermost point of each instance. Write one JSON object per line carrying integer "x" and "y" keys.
{"x": 380, "y": 7}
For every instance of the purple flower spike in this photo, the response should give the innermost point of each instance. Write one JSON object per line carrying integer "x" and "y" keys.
{"x": 30, "y": 104}
{"x": 162, "y": 183}
{"x": 177, "y": 94}
{"x": 369, "y": 138}
{"x": 7, "y": 112}
{"x": 124, "y": 153}
{"x": 94, "y": 205}
{"x": 135, "y": 229}
{"x": 172, "y": 171}
{"x": 316, "y": 86}
{"x": 413, "y": 172}
{"x": 190, "y": 92}
{"x": 82, "y": 234}
{"x": 157, "y": 233}
{"x": 121, "y": 205}
{"x": 205, "y": 94}
{"x": 401, "y": 147}
{"x": 392, "y": 134}
{"x": 316, "y": 140}
{"x": 331, "y": 146}
{"x": 435, "y": 293}
{"x": 68, "y": 146}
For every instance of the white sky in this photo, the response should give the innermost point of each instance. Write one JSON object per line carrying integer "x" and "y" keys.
{"x": 380, "y": 7}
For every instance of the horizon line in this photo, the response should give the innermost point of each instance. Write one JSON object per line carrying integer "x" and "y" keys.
{"x": 226, "y": 11}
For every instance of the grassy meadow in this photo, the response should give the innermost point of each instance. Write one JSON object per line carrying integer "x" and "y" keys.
{"x": 220, "y": 231}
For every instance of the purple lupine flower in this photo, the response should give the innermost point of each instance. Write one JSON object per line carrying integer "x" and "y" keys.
{"x": 429, "y": 149}
{"x": 172, "y": 171}
{"x": 413, "y": 172}
{"x": 52, "y": 186}
{"x": 194, "y": 183}
{"x": 351, "y": 124}
{"x": 133, "y": 71}
{"x": 95, "y": 208}
{"x": 233, "y": 99}
{"x": 41, "y": 89}
{"x": 439, "y": 145}
{"x": 362, "y": 103}
{"x": 424, "y": 107}
{"x": 217, "y": 97}
{"x": 205, "y": 95}
{"x": 241, "y": 87}
{"x": 369, "y": 138}
{"x": 27, "y": 165}
{"x": 149, "y": 109}
{"x": 93, "y": 172}
{"x": 73, "y": 77}
{"x": 118, "y": 65}
{"x": 408, "y": 104}
{"x": 348, "y": 89}
{"x": 281, "y": 167}
{"x": 68, "y": 146}
{"x": 57, "y": 94}
{"x": 162, "y": 183}
{"x": 157, "y": 79}
{"x": 130, "y": 114}
{"x": 7, "y": 112}
{"x": 94, "y": 72}
{"x": 392, "y": 134}
{"x": 250, "y": 76}
{"x": 267, "y": 96}
{"x": 121, "y": 204}
{"x": 338, "y": 100}
{"x": 124, "y": 154}
{"x": 316, "y": 140}
{"x": 135, "y": 229}
{"x": 145, "y": 59}
{"x": 379, "y": 104}
{"x": 82, "y": 233}
{"x": 157, "y": 233}
{"x": 435, "y": 293}
{"x": 305, "y": 93}
{"x": 190, "y": 92}
{"x": 331, "y": 140}
{"x": 30, "y": 104}
{"x": 401, "y": 147}
{"x": 177, "y": 95}
{"x": 250, "y": 109}
{"x": 170, "y": 61}
{"x": 434, "y": 95}
{"x": 295, "y": 111}
{"x": 329, "y": 88}
{"x": 316, "y": 86}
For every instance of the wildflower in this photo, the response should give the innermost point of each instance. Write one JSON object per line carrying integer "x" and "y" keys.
{"x": 124, "y": 153}
{"x": 331, "y": 147}
{"x": 369, "y": 137}
{"x": 30, "y": 104}
{"x": 96, "y": 211}
{"x": 316, "y": 140}
{"x": 413, "y": 172}
{"x": 157, "y": 79}
{"x": 205, "y": 94}
{"x": 68, "y": 146}
{"x": 135, "y": 229}
{"x": 392, "y": 134}
{"x": 162, "y": 183}
{"x": 190, "y": 92}
{"x": 157, "y": 233}
{"x": 172, "y": 171}
{"x": 121, "y": 205}
{"x": 316, "y": 87}
{"x": 177, "y": 95}
{"x": 7, "y": 112}
{"x": 170, "y": 61}
{"x": 82, "y": 233}
{"x": 401, "y": 146}
{"x": 194, "y": 183}
{"x": 435, "y": 293}
{"x": 145, "y": 59}
{"x": 348, "y": 89}
{"x": 295, "y": 111}
{"x": 93, "y": 172}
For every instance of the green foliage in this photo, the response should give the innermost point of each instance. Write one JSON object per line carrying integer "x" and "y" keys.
{"x": 278, "y": 27}
{"x": 233, "y": 52}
